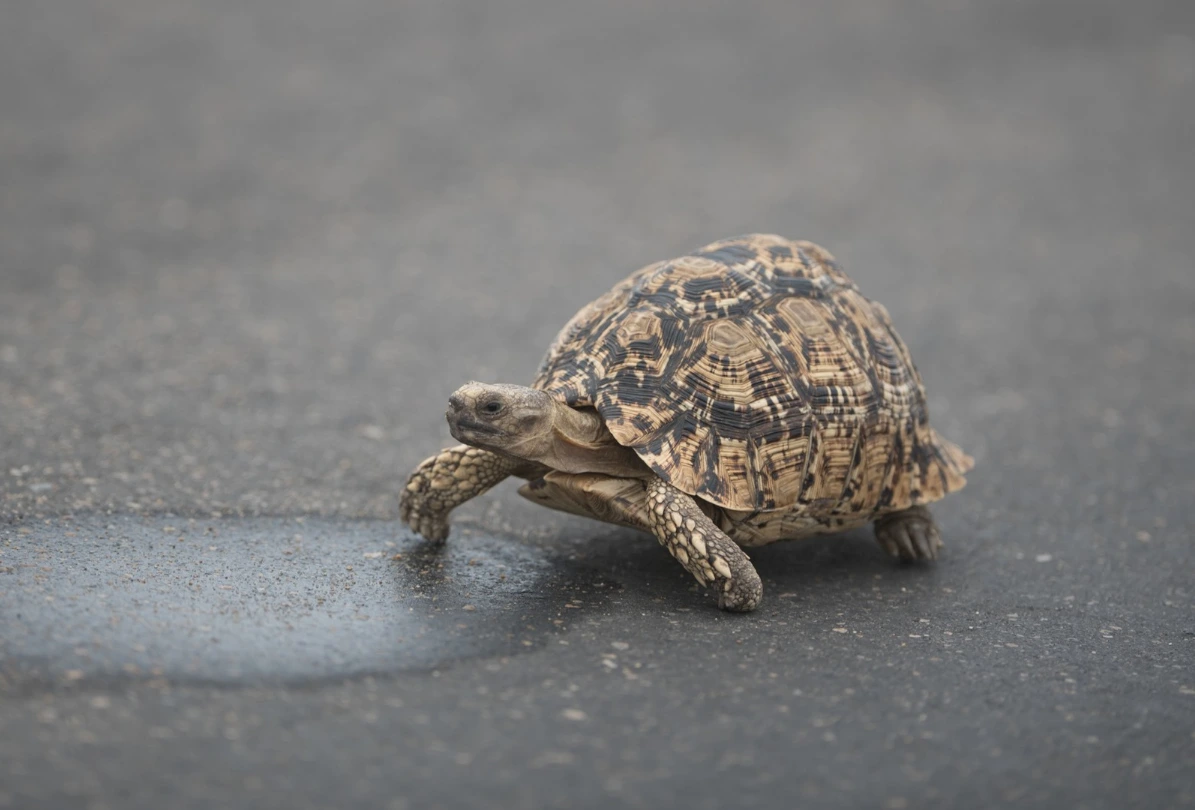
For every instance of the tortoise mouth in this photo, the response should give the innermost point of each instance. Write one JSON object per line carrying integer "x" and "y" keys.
{"x": 461, "y": 426}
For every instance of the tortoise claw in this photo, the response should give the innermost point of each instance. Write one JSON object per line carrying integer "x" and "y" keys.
{"x": 910, "y": 535}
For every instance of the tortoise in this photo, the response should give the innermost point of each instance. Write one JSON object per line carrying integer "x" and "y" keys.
{"x": 742, "y": 394}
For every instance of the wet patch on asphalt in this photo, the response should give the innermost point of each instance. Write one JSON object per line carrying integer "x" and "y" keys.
{"x": 232, "y": 601}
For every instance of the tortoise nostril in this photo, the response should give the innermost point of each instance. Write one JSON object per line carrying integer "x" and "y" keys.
{"x": 456, "y": 402}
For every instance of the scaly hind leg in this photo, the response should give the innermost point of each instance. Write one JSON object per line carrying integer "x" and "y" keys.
{"x": 702, "y": 548}
{"x": 448, "y": 479}
{"x": 910, "y": 534}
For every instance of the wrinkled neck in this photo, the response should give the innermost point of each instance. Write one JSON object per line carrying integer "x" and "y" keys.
{"x": 581, "y": 443}
{"x": 580, "y": 427}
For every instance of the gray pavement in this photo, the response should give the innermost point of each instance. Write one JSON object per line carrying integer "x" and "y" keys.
{"x": 247, "y": 250}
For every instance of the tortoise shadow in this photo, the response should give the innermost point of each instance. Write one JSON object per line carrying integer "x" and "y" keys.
{"x": 829, "y": 568}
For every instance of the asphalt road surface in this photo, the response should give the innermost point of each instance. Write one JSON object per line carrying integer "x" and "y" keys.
{"x": 247, "y": 249}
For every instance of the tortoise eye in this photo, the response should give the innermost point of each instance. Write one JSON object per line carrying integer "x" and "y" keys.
{"x": 493, "y": 406}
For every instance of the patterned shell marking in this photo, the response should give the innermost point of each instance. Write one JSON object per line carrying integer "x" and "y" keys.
{"x": 754, "y": 374}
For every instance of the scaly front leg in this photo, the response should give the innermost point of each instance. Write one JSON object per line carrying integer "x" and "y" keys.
{"x": 448, "y": 479}
{"x": 702, "y": 548}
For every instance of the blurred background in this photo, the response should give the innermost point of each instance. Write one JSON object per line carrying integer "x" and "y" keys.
{"x": 247, "y": 249}
{"x": 259, "y": 243}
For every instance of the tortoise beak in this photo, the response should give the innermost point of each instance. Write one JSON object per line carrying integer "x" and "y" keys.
{"x": 459, "y": 405}
{"x": 462, "y": 427}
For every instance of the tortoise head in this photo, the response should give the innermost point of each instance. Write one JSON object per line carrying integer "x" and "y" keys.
{"x": 507, "y": 418}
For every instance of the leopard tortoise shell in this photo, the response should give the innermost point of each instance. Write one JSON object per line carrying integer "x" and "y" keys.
{"x": 742, "y": 394}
